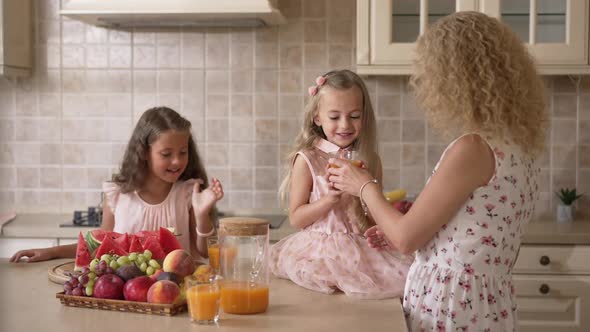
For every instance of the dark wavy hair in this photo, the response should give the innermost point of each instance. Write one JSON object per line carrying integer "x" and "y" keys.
{"x": 153, "y": 122}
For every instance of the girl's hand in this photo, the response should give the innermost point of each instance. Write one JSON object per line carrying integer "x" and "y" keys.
{"x": 377, "y": 239}
{"x": 204, "y": 200}
{"x": 33, "y": 255}
{"x": 347, "y": 177}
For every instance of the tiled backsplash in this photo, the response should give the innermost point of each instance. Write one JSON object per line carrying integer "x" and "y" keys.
{"x": 63, "y": 132}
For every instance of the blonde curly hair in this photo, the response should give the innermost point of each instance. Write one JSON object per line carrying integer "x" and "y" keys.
{"x": 473, "y": 74}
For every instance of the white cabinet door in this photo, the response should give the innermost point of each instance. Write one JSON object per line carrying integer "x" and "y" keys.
{"x": 8, "y": 246}
{"x": 556, "y": 31}
{"x": 388, "y": 29}
{"x": 553, "y": 303}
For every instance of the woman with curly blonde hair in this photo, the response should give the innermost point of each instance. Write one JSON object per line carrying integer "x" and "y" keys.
{"x": 476, "y": 81}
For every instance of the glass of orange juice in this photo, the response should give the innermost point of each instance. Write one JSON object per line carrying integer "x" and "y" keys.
{"x": 203, "y": 299}
{"x": 351, "y": 156}
{"x": 213, "y": 250}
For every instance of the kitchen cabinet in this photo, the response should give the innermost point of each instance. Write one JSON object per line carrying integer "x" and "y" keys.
{"x": 555, "y": 31}
{"x": 16, "y": 38}
{"x": 553, "y": 288}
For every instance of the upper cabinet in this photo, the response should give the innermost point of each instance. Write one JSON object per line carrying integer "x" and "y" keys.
{"x": 555, "y": 31}
{"x": 16, "y": 31}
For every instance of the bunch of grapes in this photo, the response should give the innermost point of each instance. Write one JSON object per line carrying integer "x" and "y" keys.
{"x": 80, "y": 283}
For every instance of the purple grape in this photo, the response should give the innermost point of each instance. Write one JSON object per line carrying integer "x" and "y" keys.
{"x": 69, "y": 292}
{"x": 77, "y": 292}
{"x": 85, "y": 270}
{"x": 74, "y": 282}
{"x": 67, "y": 286}
{"x": 83, "y": 279}
{"x": 102, "y": 265}
{"x": 110, "y": 270}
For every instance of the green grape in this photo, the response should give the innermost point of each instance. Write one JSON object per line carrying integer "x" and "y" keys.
{"x": 89, "y": 290}
{"x": 147, "y": 254}
{"x": 140, "y": 259}
{"x": 123, "y": 260}
{"x": 154, "y": 263}
{"x": 106, "y": 258}
{"x": 113, "y": 264}
{"x": 92, "y": 275}
{"x": 92, "y": 268}
{"x": 150, "y": 270}
{"x": 133, "y": 256}
{"x": 93, "y": 264}
{"x": 91, "y": 282}
{"x": 143, "y": 267}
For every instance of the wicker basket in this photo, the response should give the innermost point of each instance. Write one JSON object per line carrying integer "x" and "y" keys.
{"x": 120, "y": 305}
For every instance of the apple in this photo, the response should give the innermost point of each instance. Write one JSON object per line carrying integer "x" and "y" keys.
{"x": 136, "y": 289}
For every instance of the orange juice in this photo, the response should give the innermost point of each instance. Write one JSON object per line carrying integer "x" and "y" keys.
{"x": 214, "y": 256}
{"x": 203, "y": 302}
{"x": 244, "y": 298}
{"x": 357, "y": 163}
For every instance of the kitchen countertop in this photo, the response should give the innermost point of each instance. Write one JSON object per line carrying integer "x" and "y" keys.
{"x": 47, "y": 226}
{"x": 28, "y": 304}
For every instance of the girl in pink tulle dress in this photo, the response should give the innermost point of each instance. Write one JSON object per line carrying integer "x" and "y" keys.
{"x": 329, "y": 253}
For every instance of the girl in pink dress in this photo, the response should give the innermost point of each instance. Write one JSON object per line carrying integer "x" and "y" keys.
{"x": 475, "y": 80}
{"x": 330, "y": 252}
{"x": 158, "y": 185}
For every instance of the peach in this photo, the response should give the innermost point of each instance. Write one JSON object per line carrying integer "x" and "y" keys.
{"x": 180, "y": 262}
{"x": 164, "y": 291}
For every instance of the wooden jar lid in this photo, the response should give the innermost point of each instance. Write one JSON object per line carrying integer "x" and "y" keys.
{"x": 243, "y": 226}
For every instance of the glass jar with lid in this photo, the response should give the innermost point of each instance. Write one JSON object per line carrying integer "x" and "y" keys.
{"x": 243, "y": 259}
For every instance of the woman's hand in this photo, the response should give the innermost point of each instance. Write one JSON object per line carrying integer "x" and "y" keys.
{"x": 347, "y": 177}
{"x": 377, "y": 239}
{"x": 33, "y": 255}
{"x": 204, "y": 200}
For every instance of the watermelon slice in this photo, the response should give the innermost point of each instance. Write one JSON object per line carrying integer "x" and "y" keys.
{"x": 168, "y": 241}
{"x": 83, "y": 257}
{"x": 109, "y": 246}
{"x": 123, "y": 241}
{"x": 152, "y": 244}
{"x": 135, "y": 245}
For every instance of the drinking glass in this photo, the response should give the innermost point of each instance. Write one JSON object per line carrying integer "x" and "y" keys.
{"x": 203, "y": 298}
{"x": 351, "y": 156}
{"x": 213, "y": 250}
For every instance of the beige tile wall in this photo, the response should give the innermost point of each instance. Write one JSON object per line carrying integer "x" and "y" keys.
{"x": 63, "y": 132}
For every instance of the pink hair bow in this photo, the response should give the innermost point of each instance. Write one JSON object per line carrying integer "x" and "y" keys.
{"x": 319, "y": 81}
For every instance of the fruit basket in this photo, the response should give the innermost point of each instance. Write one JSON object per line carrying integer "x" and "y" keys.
{"x": 120, "y": 305}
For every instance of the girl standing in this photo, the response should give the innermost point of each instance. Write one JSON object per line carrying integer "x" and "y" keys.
{"x": 475, "y": 79}
{"x": 159, "y": 185}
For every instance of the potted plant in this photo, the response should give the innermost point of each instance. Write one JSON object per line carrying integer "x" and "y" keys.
{"x": 565, "y": 209}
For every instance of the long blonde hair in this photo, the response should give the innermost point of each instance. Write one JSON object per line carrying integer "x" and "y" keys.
{"x": 365, "y": 144}
{"x": 473, "y": 74}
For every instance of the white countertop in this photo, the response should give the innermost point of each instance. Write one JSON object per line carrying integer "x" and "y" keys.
{"x": 47, "y": 226}
{"x": 28, "y": 304}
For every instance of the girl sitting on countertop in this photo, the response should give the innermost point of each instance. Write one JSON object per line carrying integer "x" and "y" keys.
{"x": 158, "y": 185}
{"x": 475, "y": 80}
{"x": 330, "y": 252}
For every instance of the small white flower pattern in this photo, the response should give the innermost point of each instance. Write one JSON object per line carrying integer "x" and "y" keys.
{"x": 461, "y": 280}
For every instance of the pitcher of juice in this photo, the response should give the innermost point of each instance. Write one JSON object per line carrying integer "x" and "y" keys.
{"x": 243, "y": 263}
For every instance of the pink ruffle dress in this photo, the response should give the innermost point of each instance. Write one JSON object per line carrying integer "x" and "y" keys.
{"x": 331, "y": 253}
{"x": 133, "y": 214}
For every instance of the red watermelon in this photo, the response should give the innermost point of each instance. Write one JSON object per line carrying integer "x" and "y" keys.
{"x": 152, "y": 244}
{"x": 123, "y": 241}
{"x": 135, "y": 245}
{"x": 109, "y": 246}
{"x": 168, "y": 241}
{"x": 82, "y": 253}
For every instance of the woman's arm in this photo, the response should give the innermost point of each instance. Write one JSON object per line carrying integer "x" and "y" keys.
{"x": 301, "y": 212}
{"x": 467, "y": 165}
{"x": 65, "y": 251}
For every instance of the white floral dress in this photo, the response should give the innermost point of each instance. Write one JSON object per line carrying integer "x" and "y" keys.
{"x": 461, "y": 280}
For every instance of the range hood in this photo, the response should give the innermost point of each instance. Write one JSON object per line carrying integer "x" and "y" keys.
{"x": 174, "y": 13}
